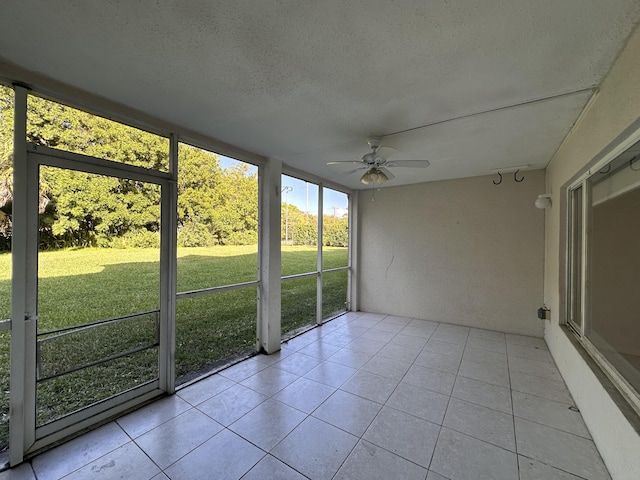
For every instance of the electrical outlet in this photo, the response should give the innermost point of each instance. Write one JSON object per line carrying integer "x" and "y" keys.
{"x": 544, "y": 313}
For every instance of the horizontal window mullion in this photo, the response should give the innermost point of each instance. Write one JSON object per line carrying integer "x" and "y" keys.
{"x": 99, "y": 362}
{"x": 84, "y": 326}
{"x": 300, "y": 275}
{"x": 85, "y": 163}
{"x": 224, "y": 288}
{"x": 337, "y": 269}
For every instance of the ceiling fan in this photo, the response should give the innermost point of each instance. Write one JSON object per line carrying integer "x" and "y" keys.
{"x": 376, "y": 163}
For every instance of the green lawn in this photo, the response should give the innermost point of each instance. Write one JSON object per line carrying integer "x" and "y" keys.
{"x": 77, "y": 286}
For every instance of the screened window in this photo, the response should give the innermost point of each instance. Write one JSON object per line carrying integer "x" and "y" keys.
{"x": 315, "y": 253}
{"x": 55, "y": 125}
{"x": 299, "y": 235}
{"x": 217, "y": 264}
{"x": 335, "y": 252}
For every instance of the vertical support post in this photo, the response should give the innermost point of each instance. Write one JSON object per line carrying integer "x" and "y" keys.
{"x": 269, "y": 291}
{"x": 168, "y": 253}
{"x": 352, "y": 289}
{"x": 320, "y": 241}
{"x": 24, "y": 245}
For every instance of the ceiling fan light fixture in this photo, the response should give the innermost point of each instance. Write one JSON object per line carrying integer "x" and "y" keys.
{"x": 366, "y": 178}
{"x": 374, "y": 175}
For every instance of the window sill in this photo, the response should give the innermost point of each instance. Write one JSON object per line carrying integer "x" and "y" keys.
{"x": 620, "y": 400}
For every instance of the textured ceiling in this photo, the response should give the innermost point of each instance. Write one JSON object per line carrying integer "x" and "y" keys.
{"x": 470, "y": 86}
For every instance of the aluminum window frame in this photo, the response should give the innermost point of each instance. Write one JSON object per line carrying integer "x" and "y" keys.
{"x": 318, "y": 273}
{"x": 631, "y": 394}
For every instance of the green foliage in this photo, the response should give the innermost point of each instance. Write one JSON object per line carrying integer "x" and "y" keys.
{"x": 304, "y": 233}
{"x": 58, "y": 126}
{"x": 299, "y": 228}
{"x": 236, "y": 216}
{"x": 216, "y": 206}
{"x": 6, "y": 164}
{"x": 193, "y": 234}
{"x": 335, "y": 231}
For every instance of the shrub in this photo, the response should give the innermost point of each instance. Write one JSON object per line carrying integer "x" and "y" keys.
{"x": 195, "y": 235}
{"x": 244, "y": 237}
{"x": 304, "y": 234}
{"x": 137, "y": 239}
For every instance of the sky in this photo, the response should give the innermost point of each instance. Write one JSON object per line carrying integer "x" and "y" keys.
{"x": 304, "y": 195}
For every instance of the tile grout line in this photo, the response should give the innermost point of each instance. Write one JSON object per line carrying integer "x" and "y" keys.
{"x": 513, "y": 413}
{"x": 311, "y": 414}
{"x": 448, "y": 402}
{"x": 361, "y": 438}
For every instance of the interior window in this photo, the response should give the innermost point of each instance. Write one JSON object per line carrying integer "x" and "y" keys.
{"x": 603, "y": 271}
{"x": 614, "y": 264}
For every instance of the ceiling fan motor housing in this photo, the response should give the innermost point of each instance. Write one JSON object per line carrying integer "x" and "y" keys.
{"x": 371, "y": 159}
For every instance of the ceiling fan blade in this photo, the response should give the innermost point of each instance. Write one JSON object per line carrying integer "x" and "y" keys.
{"x": 385, "y": 152}
{"x": 352, "y": 171}
{"x": 409, "y": 163}
{"x": 343, "y": 162}
{"x": 390, "y": 176}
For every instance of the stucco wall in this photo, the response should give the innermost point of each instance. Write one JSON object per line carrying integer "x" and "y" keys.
{"x": 461, "y": 251}
{"x": 613, "y": 115}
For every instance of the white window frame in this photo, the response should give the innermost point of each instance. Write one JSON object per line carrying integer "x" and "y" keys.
{"x": 23, "y": 438}
{"x": 318, "y": 273}
{"x": 628, "y": 391}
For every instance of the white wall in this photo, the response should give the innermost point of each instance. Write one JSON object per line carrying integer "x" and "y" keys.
{"x": 614, "y": 114}
{"x": 460, "y": 251}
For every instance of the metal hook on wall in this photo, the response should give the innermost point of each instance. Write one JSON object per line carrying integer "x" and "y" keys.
{"x": 516, "y": 178}
{"x": 498, "y": 182}
{"x": 603, "y": 171}
{"x": 631, "y": 164}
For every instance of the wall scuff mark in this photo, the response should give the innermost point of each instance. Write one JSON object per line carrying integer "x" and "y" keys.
{"x": 388, "y": 266}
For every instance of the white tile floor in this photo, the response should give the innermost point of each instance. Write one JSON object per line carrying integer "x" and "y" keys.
{"x": 365, "y": 396}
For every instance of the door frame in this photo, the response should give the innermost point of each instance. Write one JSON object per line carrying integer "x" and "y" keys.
{"x": 25, "y": 438}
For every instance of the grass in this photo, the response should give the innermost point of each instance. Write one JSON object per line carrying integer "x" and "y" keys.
{"x": 78, "y": 286}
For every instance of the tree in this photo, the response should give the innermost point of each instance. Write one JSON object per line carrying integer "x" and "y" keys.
{"x": 237, "y": 216}
{"x": 83, "y": 209}
{"x": 199, "y": 178}
{"x": 6, "y": 164}
{"x": 215, "y": 205}
{"x": 335, "y": 231}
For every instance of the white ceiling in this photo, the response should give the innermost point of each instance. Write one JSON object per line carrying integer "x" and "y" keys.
{"x": 471, "y": 86}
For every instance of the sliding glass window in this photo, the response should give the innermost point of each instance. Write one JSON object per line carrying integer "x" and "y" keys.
{"x": 604, "y": 268}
